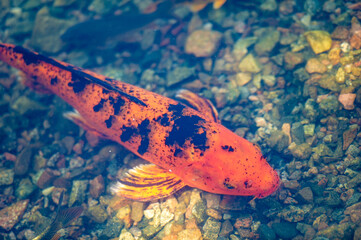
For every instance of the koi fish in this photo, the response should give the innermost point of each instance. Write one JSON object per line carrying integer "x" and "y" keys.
{"x": 186, "y": 145}
{"x": 62, "y": 219}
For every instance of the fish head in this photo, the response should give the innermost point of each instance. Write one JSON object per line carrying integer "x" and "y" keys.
{"x": 234, "y": 166}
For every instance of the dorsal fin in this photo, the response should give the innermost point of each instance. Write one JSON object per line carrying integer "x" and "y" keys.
{"x": 147, "y": 182}
{"x": 200, "y": 104}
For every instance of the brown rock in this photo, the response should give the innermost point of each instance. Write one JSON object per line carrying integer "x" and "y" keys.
{"x": 355, "y": 41}
{"x": 137, "y": 211}
{"x": 9, "y": 216}
{"x": 47, "y": 177}
{"x": 96, "y": 186}
{"x": 203, "y": 43}
{"x": 340, "y": 33}
{"x": 23, "y": 161}
{"x": 315, "y": 66}
{"x": 349, "y": 135}
{"x": 68, "y": 143}
{"x": 292, "y": 59}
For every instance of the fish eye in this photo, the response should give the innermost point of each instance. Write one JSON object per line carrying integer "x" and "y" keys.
{"x": 227, "y": 184}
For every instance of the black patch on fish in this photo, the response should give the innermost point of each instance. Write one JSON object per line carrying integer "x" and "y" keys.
{"x": 117, "y": 105}
{"x": 228, "y": 148}
{"x": 176, "y": 109}
{"x": 79, "y": 78}
{"x": 78, "y": 83}
{"x": 127, "y": 133}
{"x": 188, "y": 128}
{"x": 163, "y": 120}
{"x": 99, "y": 106}
{"x": 227, "y": 184}
{"x": 144, "y": 130}
{"x": 109, "y": 121}
{"x": 28, "y": 56}
{"x": 54, "y": 81}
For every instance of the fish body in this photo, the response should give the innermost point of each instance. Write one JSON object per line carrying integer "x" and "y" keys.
{"x": 186, "y": 146}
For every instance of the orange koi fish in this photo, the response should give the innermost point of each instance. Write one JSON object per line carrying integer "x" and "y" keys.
{"x": 186, "y": 145}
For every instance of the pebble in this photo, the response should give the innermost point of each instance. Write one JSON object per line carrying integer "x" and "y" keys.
{"x": 266, "y": 233}
{"x": 349, "y": 135}
{"x": 23, "y": 161}
{"x": 340, "y": 75}
{"x": 97, "y": 213}
{"x": 199, "y": 212}
{"x": 250, "y": 64}
{"x": 47, "y": 177}
{"x": 9, "y": 216}
{"x": 315, "y": 66}
{"x": 178, "y": 75}
{"x": 347, "y": 100}
{"x": 305, "y": 195}
{"x": 226, "y": 228}
{"x": 267, "y": 42}
{"x": 285, "y": 230}
{"x": 190, "y": 234}
{"x": 96, "y": 186}
{"x": 78, "y": 192}
{"x": 334, "y": 55}
{"x": 6, "y": 176}
{"x": 292, "y": 214}
{"x": 320, "y": 41}
{"x": 292, "y": 59}
{"x": 113, "y": 227}
{"x": 25, "y": 188}
{"x": 211, "y": 229}
{"x": 203, "y": 43}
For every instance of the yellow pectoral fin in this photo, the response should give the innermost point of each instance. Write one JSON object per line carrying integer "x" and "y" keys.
{"x": 200, "y": 104}
{"x": 147, "y": 182}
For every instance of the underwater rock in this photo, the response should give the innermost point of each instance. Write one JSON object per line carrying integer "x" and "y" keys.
{"x": 354, "y": 212}
{"x": 192, "y": 233}
{"x": 266, "y": 233}
{"x": 125, "y": 235}
{"x": 113, "y": 227}
{"x": 78, "y": 192}
{"x": 214, "y": 213}
{"x": 9, "y": 216}
{"x": 349, "y": 135}
{"x": 329, "y": 105}
{"x": 285, "y": 230}
{"x": 199, "y": 212}
{"x": 211, "y": 229}
{"x": 25, "y": 188}
{"x": 305, "y": 195}
{"x": 314, "y": 65}
{"x": 347, "y": 100}
{"x": 267, "y": 41}
{"x": 96, "y": 186}
{"x": 278, "y": 140}
{"x": 47, "y": 31}
{"x": 292, "y": 59}
{"x": 292, "y": 214}
{"x": 203, "y": 43}
{"x": 24, "y": 105}
{"x": 47, "y": 177}
{"x": 250, "y": 64}
{"x": 338, "y": 231}
{"x": 301, "y": 151}
{"x": 178, "y": 75}
{"x": 23, "y": 161}
{"x": 6, "y": 176}
{"x": 340, "y": 75}
{"x": 334, "y": 55}
{"x": 226, "y": 228}
{"x": 137, "y": 211}
{"x": 97, "y": 213}
{"x": 320, "y": 41}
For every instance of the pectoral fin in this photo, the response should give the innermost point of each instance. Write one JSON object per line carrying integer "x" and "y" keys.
{"x": 147, "y": 182}
{"x": 81, "y": 122}
{"x": 200, "y": 104}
